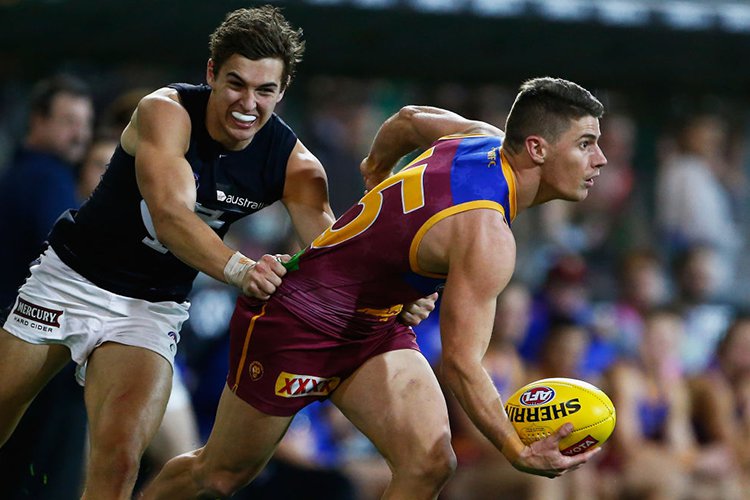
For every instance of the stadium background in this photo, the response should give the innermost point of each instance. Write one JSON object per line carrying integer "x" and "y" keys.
{"x": 656, "y": 62}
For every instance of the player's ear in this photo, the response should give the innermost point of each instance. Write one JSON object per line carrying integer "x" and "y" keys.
{"x": 210, "y": 75}
{"x": 537, "y": 148}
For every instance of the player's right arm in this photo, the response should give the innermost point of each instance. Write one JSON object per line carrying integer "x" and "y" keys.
{"x": 414, "y": 127}
{"x": 481, "y": 258}
{"x": 159, "y": 138}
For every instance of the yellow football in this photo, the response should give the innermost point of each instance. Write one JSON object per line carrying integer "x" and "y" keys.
{"x": 538, "y": 409}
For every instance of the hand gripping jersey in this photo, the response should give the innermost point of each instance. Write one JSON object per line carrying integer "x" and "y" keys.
{"x": 111, "y": 240}
{"x": 364, "y": 266}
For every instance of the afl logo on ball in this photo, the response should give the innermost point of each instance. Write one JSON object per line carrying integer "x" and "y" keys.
{"x": 256, "y": 370}
{"x": 537, "y": 396}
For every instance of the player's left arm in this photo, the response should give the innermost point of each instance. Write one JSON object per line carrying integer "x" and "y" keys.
{"x": 306, "y": 195}
{"x": 481, "y": 259}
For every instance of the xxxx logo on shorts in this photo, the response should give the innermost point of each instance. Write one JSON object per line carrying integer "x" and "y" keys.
{"x": 289, "y": 385}
{"x": 36, "y": 313}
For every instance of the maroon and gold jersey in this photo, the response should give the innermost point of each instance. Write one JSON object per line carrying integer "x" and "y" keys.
{"x": 364, "y": 266}
{"x": 338, "y": 308}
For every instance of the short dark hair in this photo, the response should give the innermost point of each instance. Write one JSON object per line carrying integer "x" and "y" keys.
{"x": 544, "y": 106}
{"x": 256, "y": 34}
{"x": 45, "y": 91}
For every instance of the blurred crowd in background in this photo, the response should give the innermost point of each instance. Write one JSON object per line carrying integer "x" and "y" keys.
{"x": 642, "y": 289}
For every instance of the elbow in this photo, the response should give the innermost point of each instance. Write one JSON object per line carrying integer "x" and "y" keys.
{"x": 408, "y": 119}
{"x": 408, "y": 112}
{"x": 412, "y": 122}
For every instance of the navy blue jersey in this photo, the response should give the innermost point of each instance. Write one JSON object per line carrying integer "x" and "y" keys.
{"x": 111, "y": 240}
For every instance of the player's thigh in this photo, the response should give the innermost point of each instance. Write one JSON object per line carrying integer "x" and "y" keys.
{"x": 242, "y": 439}
{"x": 396, "y": 401}
{"x": 25, "y": 368}
{"x": 126, "y": 392}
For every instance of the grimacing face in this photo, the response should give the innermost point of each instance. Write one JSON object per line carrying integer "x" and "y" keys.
{"x": 574, "y": 160}
{"x": 245, "y": 94}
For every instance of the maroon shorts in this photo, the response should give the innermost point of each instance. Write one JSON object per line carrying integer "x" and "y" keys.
{"x": 279, "y": 363}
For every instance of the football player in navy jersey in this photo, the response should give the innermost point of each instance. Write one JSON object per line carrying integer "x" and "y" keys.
{"x": 111, "y": 290}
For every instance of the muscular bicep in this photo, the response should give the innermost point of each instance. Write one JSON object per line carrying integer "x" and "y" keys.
{"x": 164, "y": 176}
{"x": 481, "y": 263}
{"x": 306, "y": 195}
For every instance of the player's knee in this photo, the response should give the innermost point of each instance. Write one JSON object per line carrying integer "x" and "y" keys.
{"x": 435, "y": 464}
{"x": 444, "y": 464}
{"x": 224, "y": 483}
{"x": 218, "y": 479}
{"x": 118, "y": 465}
{"x": 115, "y": 454}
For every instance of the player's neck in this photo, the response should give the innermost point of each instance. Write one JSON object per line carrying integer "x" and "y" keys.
{"x": 527, "y": 179}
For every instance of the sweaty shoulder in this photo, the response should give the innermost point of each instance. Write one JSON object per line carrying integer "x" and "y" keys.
{"x": 156, "y": 112}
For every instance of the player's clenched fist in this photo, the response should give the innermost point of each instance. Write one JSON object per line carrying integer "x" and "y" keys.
{"x": 256, "y": 279}
{"x": 372, "y": 174}
{"x": 415, "y": 312}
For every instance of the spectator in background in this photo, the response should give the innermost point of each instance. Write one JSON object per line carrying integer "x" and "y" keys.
{"x": 564, "y": 294}
{"x": 649, "y": 453}
{"x": 95, "y": 164}
{"x": 340, "y": 124}
{"x": 696, "y": 274}
{"x": 692, "y": 205}
{"x": 642, "y": 285}
{"x": 44, "y": 458}
{"x": 40, "y": 182}
{"x": 734, "y": 364}
{"x": 563, "y": 352}
{"x": 118, "y": 113}
{"x": 721, "y": 416}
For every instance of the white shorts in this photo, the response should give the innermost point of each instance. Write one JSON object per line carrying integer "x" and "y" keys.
{"x": 56, "y": 305}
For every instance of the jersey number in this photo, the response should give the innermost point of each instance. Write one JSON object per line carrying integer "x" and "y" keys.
{"x": 412, "y": 198}
{"x": 210, "y": 217}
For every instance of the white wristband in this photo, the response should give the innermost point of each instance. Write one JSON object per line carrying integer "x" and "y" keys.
{"x": 236, "y": 268}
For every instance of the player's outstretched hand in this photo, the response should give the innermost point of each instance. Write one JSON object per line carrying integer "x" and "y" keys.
{"x": 414, "y": 313}
{"x": 264, "y": 277}
{"x": 543, "y": 458}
